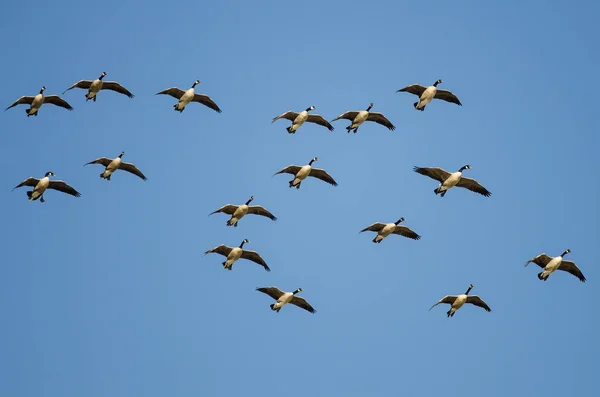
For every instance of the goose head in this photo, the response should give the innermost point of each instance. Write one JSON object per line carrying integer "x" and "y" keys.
{"x": 566, "y": 252}
{"x": 195, "y": 83}
{"x": 370, "y": 106}
{"x": 437, "y": 82}
{"x": 250, "y": 200}
{"x": 102, "y": 76}
{"x": 311, "y": 107}
{"x": 313, "y": 160}
{"x": 297, "y": 290}
{"x": 42, "y": 89}
{"x": 399, "y": 221}
{"x": 466, "y": 167}
{"x": 122, "y": 154}
{"x": 469, "y": 289}
{"x": 244, "y": 242}
{"x": 49, "y": 173}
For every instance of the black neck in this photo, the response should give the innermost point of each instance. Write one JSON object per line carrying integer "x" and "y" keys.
{"x": 249, "y": 201}
{"x": 468, "y": 290}
{"x": 399, "y": 220}
{"x": 101, "y": 77}
{"x": 311, "y": 161}
{"x": 564, "y": 253}
{"x": 462, "y": 168}
{"x": 369, "y": 108}
{"x": 308, "y": 109}
{"x": 242, "y": 244}
{"x": 295, "y": 292}
{"x": 436, "y": 83}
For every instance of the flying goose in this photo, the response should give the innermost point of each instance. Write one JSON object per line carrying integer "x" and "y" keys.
{"x": 426, "y": 94}
{"x": 283, "y": 298}
{"x": 185, "y": 97}
{"x": 237, "y": 212}
{"x": 40, "y": 186}
{"x": 111, "y": 165}
{"x": 298, "y": 119}
{"x": 94, "y": 86}
{"x": 235, "y": 253}
{"x": 550, "y": 264}
{"x": 449, "y": 180}
{"x": 456, "y": 302}
{"x": 302, "y": 172}
{"x": 36, "y": 102}
{"x": 385, "y": 229}
{"x": 359, "y": 117}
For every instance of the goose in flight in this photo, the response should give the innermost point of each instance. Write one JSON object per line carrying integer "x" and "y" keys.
{"x": 283, "y": 298}
{"x": 426, "y": 94}
{"x": 549, "y": 265}
{"x": 94, "y": 86}
{"x": 35, "y": 102}
{"x": 449, "y": 180}
{"x": 185, "y": 97}
{"x": 40, "y": 186}
{"x": 237, "y": 212}
{"x": 359, "y": 117}
{"x": 302, "y": 172}
{"x": 298, "y": 119}
{"x": 385, "y": 229}
{"x": 111, "y": 165}
{"x": 457, "y": 301}
{"x": 235, "y": 253}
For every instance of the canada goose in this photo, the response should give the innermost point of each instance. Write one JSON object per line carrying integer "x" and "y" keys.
{"x": 40, "y": 186}
{"x": 359, "y": 117}
{"x": 38, "y": 100}
{"x": 302, "y": 172}
{"x": 385, "y": 229}
{"x": 235, "y": 253}
{"x": 456, "y": 302}
{"x": 94, "y": 86}
{"x": 185, "y": 97}
{"x": 298, "y": 119}
{"x": 283, "y": 298}
{"x": 448, "y": 180}
{"x": 237, "y": 212}
{"x": 550, "y": 264}
{"x": 426, "y": 94}
{"x": 116, "y": 164}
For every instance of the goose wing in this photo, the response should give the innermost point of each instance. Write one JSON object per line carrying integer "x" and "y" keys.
{"x": 206, "y": 101}
{"x": 416, "y": 89}
{"x": 86, "y": 84}
{"x": 351, "y": 115}
{"x": 255, "y": 257}
{"x": 173, "y": 91}
{"x": 447, "y": 96}
{"x": 289, "y": 115}
{"x": 449, "y": 299}
{"x": 258, "y": 210}
{"x": 62, "y": 186}
{"x": 322, "y": 175}
{"x": 434, "y": 173}
{"x": 318, "y": 119}
{"x": 380, "y": 119}
{"x": 23, "y": 100}
{"x": 102, "y": 160}
{"x": 57, "y": 101}
{"x": 406, "y": 232}
{"x": 132, "y": 169}
{"x": 31, "y": 181}
{"x": 290, "y": 169}
{"x": 541, "y": 260}
{"x": 473, "y": 186}
{"x": 377, "y": 226}
{"x": 477, "y": 301}
{"x": 220, "y": 249}
{"x": 114, "y": 86}
{"x": 301, "y": 302}
{"x": 273, "y": 292}
{"x": 228, "y": 209}
{"x": 572, "y": 268}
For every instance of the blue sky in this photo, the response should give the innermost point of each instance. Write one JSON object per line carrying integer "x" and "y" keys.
{"x": 110, "y": 294}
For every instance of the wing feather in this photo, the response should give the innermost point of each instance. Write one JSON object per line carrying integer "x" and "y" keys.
{"x": 351, "y": 115}
{"x": 114, "y": 86}
{"x": 57, "y": 101}
{"x": 173, "y": 91}
{"x": 318, "y": 119}
{"x": 416, "y": 89}
{"x": 23, "y": 100}
{"x": 289, "y": 115}
{"x": 62, "y": 186}
{"x": 206, "y": 101}
{"x": 132, "y": 169}
{"x": 381, "y": 119}
{"x": 572, "y": 268}
{"x": 473, "y": 186}
{"x": 256, "y": 258}
{"x": 301, "y": 302}
{"x": 322, "y": 175}
{"x": 377, "y": 226}
{"x": 434, "y": 173}
{"x": 258, "y": 210}
{"x": 85, "y": 84}
{"x": 273, "y": 292}
{"x": 226, "y": 209}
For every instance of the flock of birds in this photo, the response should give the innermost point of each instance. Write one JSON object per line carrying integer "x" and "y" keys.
{"x": 447, "y": 180}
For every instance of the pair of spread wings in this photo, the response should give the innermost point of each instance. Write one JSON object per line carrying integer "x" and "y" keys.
{"x": 472, "y": 299}
{"x": 400, "y": 230}
{"x": 203, "y": 99}
{"x": 444, "y": 95}
{"x": 124, "y": 166}
{"x": 373, "y": 116}
{"x": 314, "y": 172}
{"x": 250, "y": 255}
{"x": 276, "y": 293}
{"x": 106, "y": 85}
{"x": 52, "y": 99}
{"x": 229, "y": 209}
{"x": 570, "y": 267}
{"x": 312, "y": 118}
{"x": 441, "y": 175}
{"x": 61, "y": 186}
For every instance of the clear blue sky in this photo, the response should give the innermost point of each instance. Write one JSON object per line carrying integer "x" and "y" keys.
{"x": 110, "y": 294}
